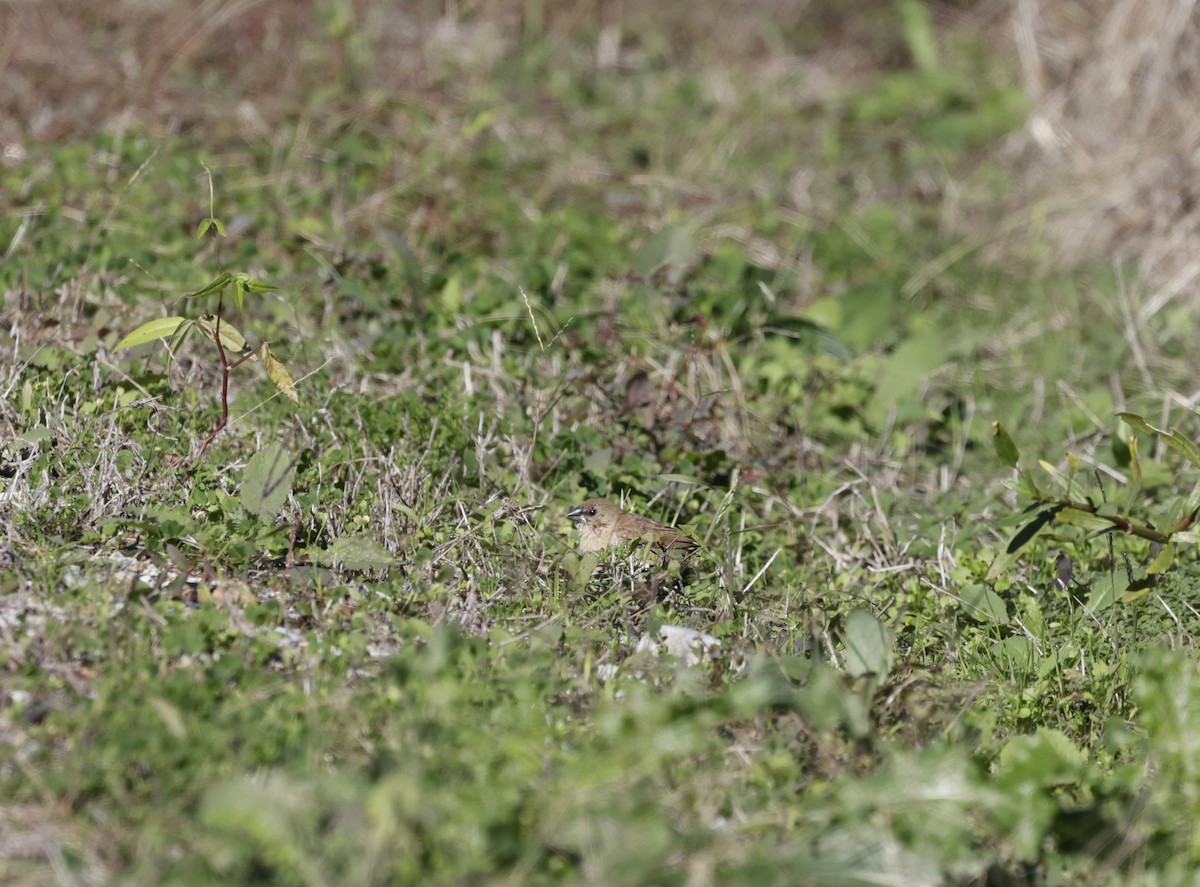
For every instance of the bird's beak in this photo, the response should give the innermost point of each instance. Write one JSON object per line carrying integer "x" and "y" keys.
{"x": 576, "y": 514}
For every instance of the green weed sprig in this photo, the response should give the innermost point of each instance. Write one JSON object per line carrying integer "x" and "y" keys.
{"x": 1065, "y": 501}
{"x": 232, "y": 347}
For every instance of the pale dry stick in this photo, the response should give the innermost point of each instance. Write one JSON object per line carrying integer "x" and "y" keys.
{"x": 1129, "y": 330}
{"x": 1181, "y": 282}
{"x": 738, "y": 391}
{"x": 844, "y": 562}
{"x": 763, "y": 571}
{"x": 505, "y": 510}
{"x": 1026, "y": 27}
{"x": 532, "y": 319}
{"x": 1170, "y": 612}
{"x": 945, "y": 558}
{"x": 18, "y": 236}
{"x": 960, "y": 445}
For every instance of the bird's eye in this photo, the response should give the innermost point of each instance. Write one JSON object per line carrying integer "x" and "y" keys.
{"x": 591, "y": 512}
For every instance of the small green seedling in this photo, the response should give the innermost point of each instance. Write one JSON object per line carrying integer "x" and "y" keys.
{"x": 232, "y": 347}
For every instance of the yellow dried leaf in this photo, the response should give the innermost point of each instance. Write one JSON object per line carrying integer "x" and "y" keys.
{"x": 278, "y": 374}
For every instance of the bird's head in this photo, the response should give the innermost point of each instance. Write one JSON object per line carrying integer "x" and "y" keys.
{"x": 590, "y": 510}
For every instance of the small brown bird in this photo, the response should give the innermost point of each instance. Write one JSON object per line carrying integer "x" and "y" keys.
{"x": 602, "y": 524}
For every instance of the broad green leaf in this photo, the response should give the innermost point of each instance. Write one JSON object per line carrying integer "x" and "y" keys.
{"x": 358, "y": 553}
{"x": 148, "y": 332}
{"x": 185, "y": 329}
{"x": 231, "y": 340}
{"x": 1090, "y": 522}
{"x": 451, "y": 296}
{"x": 1006, "y": 449}
{"x": 673, "y": 249}
{"x": 985, "y": 604}
{"x": 239, "y": 292}
{"x": 1163, "y": 560}
{"x": 1122, "y": 454}
{"x": 1018, "y": 652}
{"x": 1138, "y": 590}
{"x": 268, "y": 481}
{"x": 916, "y": 23}
{"x": 278, "y": 374}
{"x": 203, "y": 227}
{"x": 868, "y": 645}
{"x": 1135, "y": 465}
{"x": 1173, "y": 438}
{"x": 1047, "y": 759}
{"x": 214, "y": 285}
{"x": 904, "y": 372}
{"x": 1028, "y": 485}
{"x": 1108, "y": 592}
{"x": 1031, "y": 529}
{"x": 827, "y": 704}
{"x": 1057, "y": 476}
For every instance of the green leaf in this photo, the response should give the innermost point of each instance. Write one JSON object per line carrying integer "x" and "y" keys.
{"x": 451, "y": 296}
{"x": 985, "y": 604}
{"x": 203, "y": 227}
{"x": 1122, "y": 455}
{"x": 356, "y": 553}
{"x": 1057, "y": 476}
{"x": 1162, "y": 562}
{"x": 239, "y": 292}
{"x": 1006, "y": 449}
{"x": 214, "y": 285}
{"x": 1108, "y": 592}
{"x": 916, "y": 23}
{"x": 904, "y": 372}
{"x": 1028, "y": 485}
{"x": 268, "y": 481}
{"x": 1031, "y": 529}
{"x": 673, "y": 248}
{"x": 231, "y": 339}
{"x": 1046, "y": 760}
{"x": 868, "y": 645}
{"x": 826, "y": 703}
{"x": 1018, "y": 653}
{"x": 1173, "y": 438}
{"x": 148, "y": 332}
